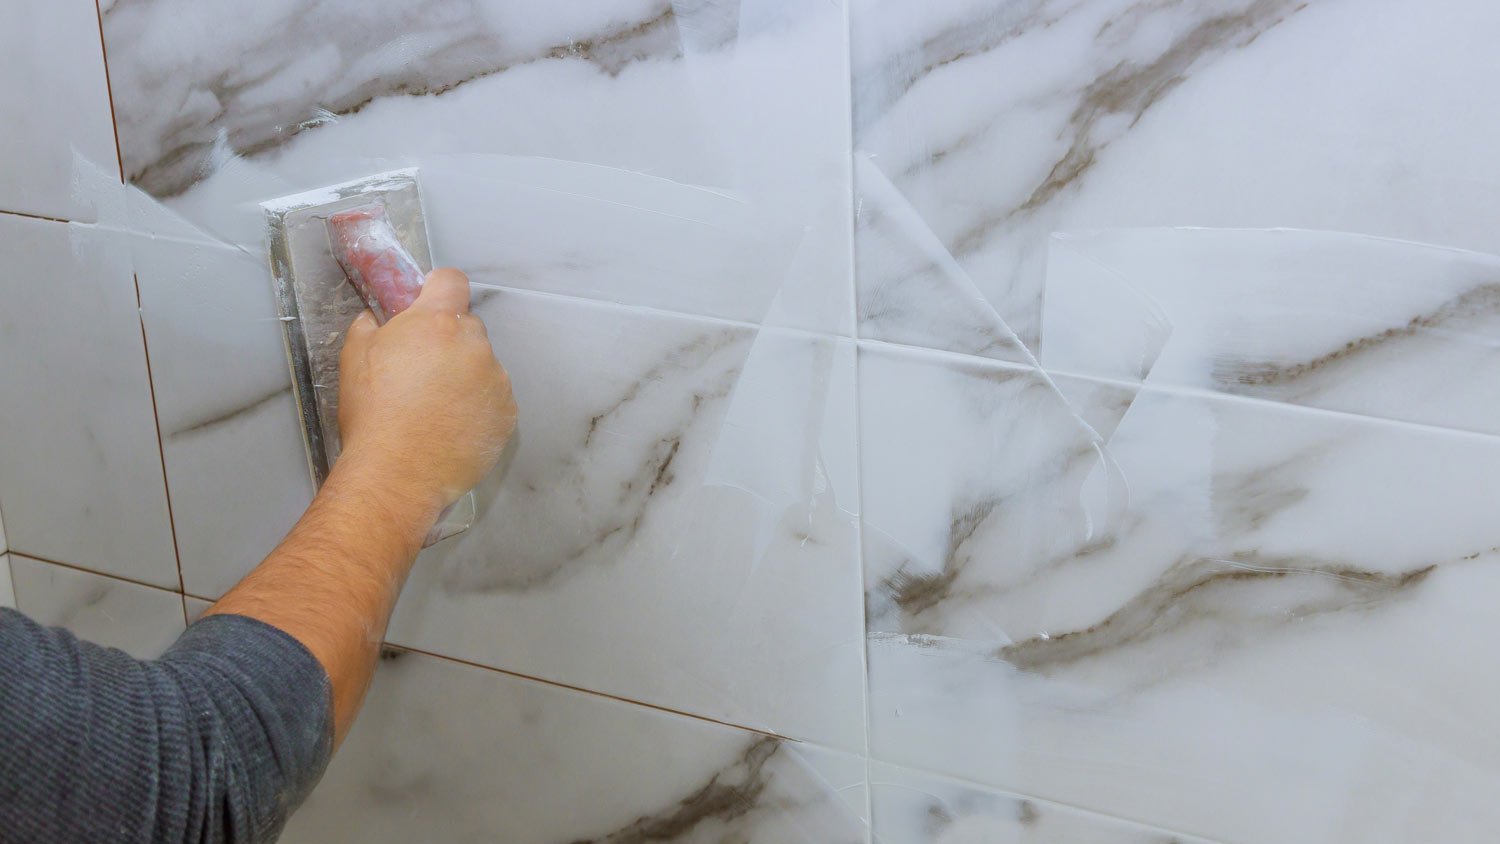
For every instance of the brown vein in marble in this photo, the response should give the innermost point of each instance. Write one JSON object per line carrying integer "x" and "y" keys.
{"x": 963, "y": 40}
{"x": 613, "y": 51}
{"x": 878, "y": 303}
{"x": 1247, "y": 501}
{"x": 729, "y": 795}
{"x": 916, "y": 593}
{"x": 691, "y": 353}
{"x": 181, "y": 166}
{"x": 480, "y": 298}
{"x": 608, "y": 524}
{"x": 1130, "y": 89}
{"x": 1186, "y": 593}
{"x": 223, "y": 417}
{"x": 1483, "y": 300}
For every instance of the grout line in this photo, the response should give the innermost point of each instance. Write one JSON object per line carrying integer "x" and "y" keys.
{"x": 86, "y": 570}
{"x": 867, "y": 342}
{"x": 184, "y": 596}
{"x": 852, "y": 232}
{"x": 966, "y": 357}
{"x": 161, "y": 452}
{"x": 664, "y": 313}
{"x": 1176, "y": 390}
{"x": 109, "y": 88}
{"x": 977, "y": 785}
{"x": 560, "y": 685}
{"x": 593, "y": 692}
{"x": 41, "y": 217}
{"x": 869, "y": 757}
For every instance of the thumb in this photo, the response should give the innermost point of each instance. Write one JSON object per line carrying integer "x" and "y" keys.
{"x": 446, "y": 290}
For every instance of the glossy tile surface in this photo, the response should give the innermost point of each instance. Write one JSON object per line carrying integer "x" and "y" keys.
{"x": 1098, "y": 394}
{"x": 661, "y": 461}
{"x": 80, "y": 472}
{"x": 445, "y": 750}
{"x": 1000, "y": 123}
{"x": 231, "y": 442}
{"x": 915, "y": 808}
{"x": 139, "y": 620}
{"x": 1352, "y": 323}
{"x": 1168, "y": 591}
{"x": 674, "y": 524}
{"x": 682, "y": 156}
{"x": 7, "y": 591}
{"x": 54, "y": 103}
{"x": 706, "y": 465}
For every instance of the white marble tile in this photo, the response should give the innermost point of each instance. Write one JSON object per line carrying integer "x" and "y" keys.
{"x": 137, "y": 619}
{"x": 444, "y": 751}
{"x": 685, "y": 156}
{"x": 1343, "y": 322}
{"x": 80, "y": 470}
{"x": 7, "y": 591}
{"x": 908, "y": 807}
{"x": 195, "y": 607}
{"x": 675, "y": 522}
{"x": 54, "y": 103}
{"x": 1004, "y": 122}
{"x": 448, "y": 752}
{"x": 231, "y": 439}
{"x": 1235, "y": 619}
{"x": 1203, "y": 614}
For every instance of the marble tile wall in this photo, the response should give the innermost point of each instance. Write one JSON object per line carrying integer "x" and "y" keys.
{"x": 140, "y": 620}
{"x": 998, "y": 420}
{"x": 539, "y": 763}
{"x": 55, "y": 102}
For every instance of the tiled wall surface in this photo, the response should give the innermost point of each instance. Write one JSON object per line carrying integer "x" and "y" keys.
{"x": 140, "y": 620}
{"x": 1013, "y": 420}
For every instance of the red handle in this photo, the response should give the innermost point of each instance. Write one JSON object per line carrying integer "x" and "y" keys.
{"x": 384, "y": 273}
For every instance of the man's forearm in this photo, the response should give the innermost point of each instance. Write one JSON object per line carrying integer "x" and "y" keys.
{"x": 332, "y": 583}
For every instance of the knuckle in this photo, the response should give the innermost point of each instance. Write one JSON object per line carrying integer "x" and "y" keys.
{"x": 447, "y": 276}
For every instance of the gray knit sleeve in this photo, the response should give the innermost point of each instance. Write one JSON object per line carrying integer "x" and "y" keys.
{"x": 216, "y": 741}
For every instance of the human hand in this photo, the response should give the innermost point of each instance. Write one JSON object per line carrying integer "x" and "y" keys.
{"x": 423, "y": 404}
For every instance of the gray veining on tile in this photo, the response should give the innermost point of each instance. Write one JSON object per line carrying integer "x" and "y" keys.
{"x": 1330, "y": 320}
{"x": 1199, "y": 591}
{"x": 139, "y": 620}
{"x": 1167, "y": 561}
{"x": 1034, "y": 632}
{"x": 917, "y": 808}
{"x": 293, "y": 67}
{"x": 464, "y": 754}
{"x": 906, "y": 67}
{"x": 80, "y": 470}
{"x": 626, "y": 446}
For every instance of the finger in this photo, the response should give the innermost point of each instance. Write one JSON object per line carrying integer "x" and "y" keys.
{"x": 446, "y": 290}
{"x": 357, "y": 338}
